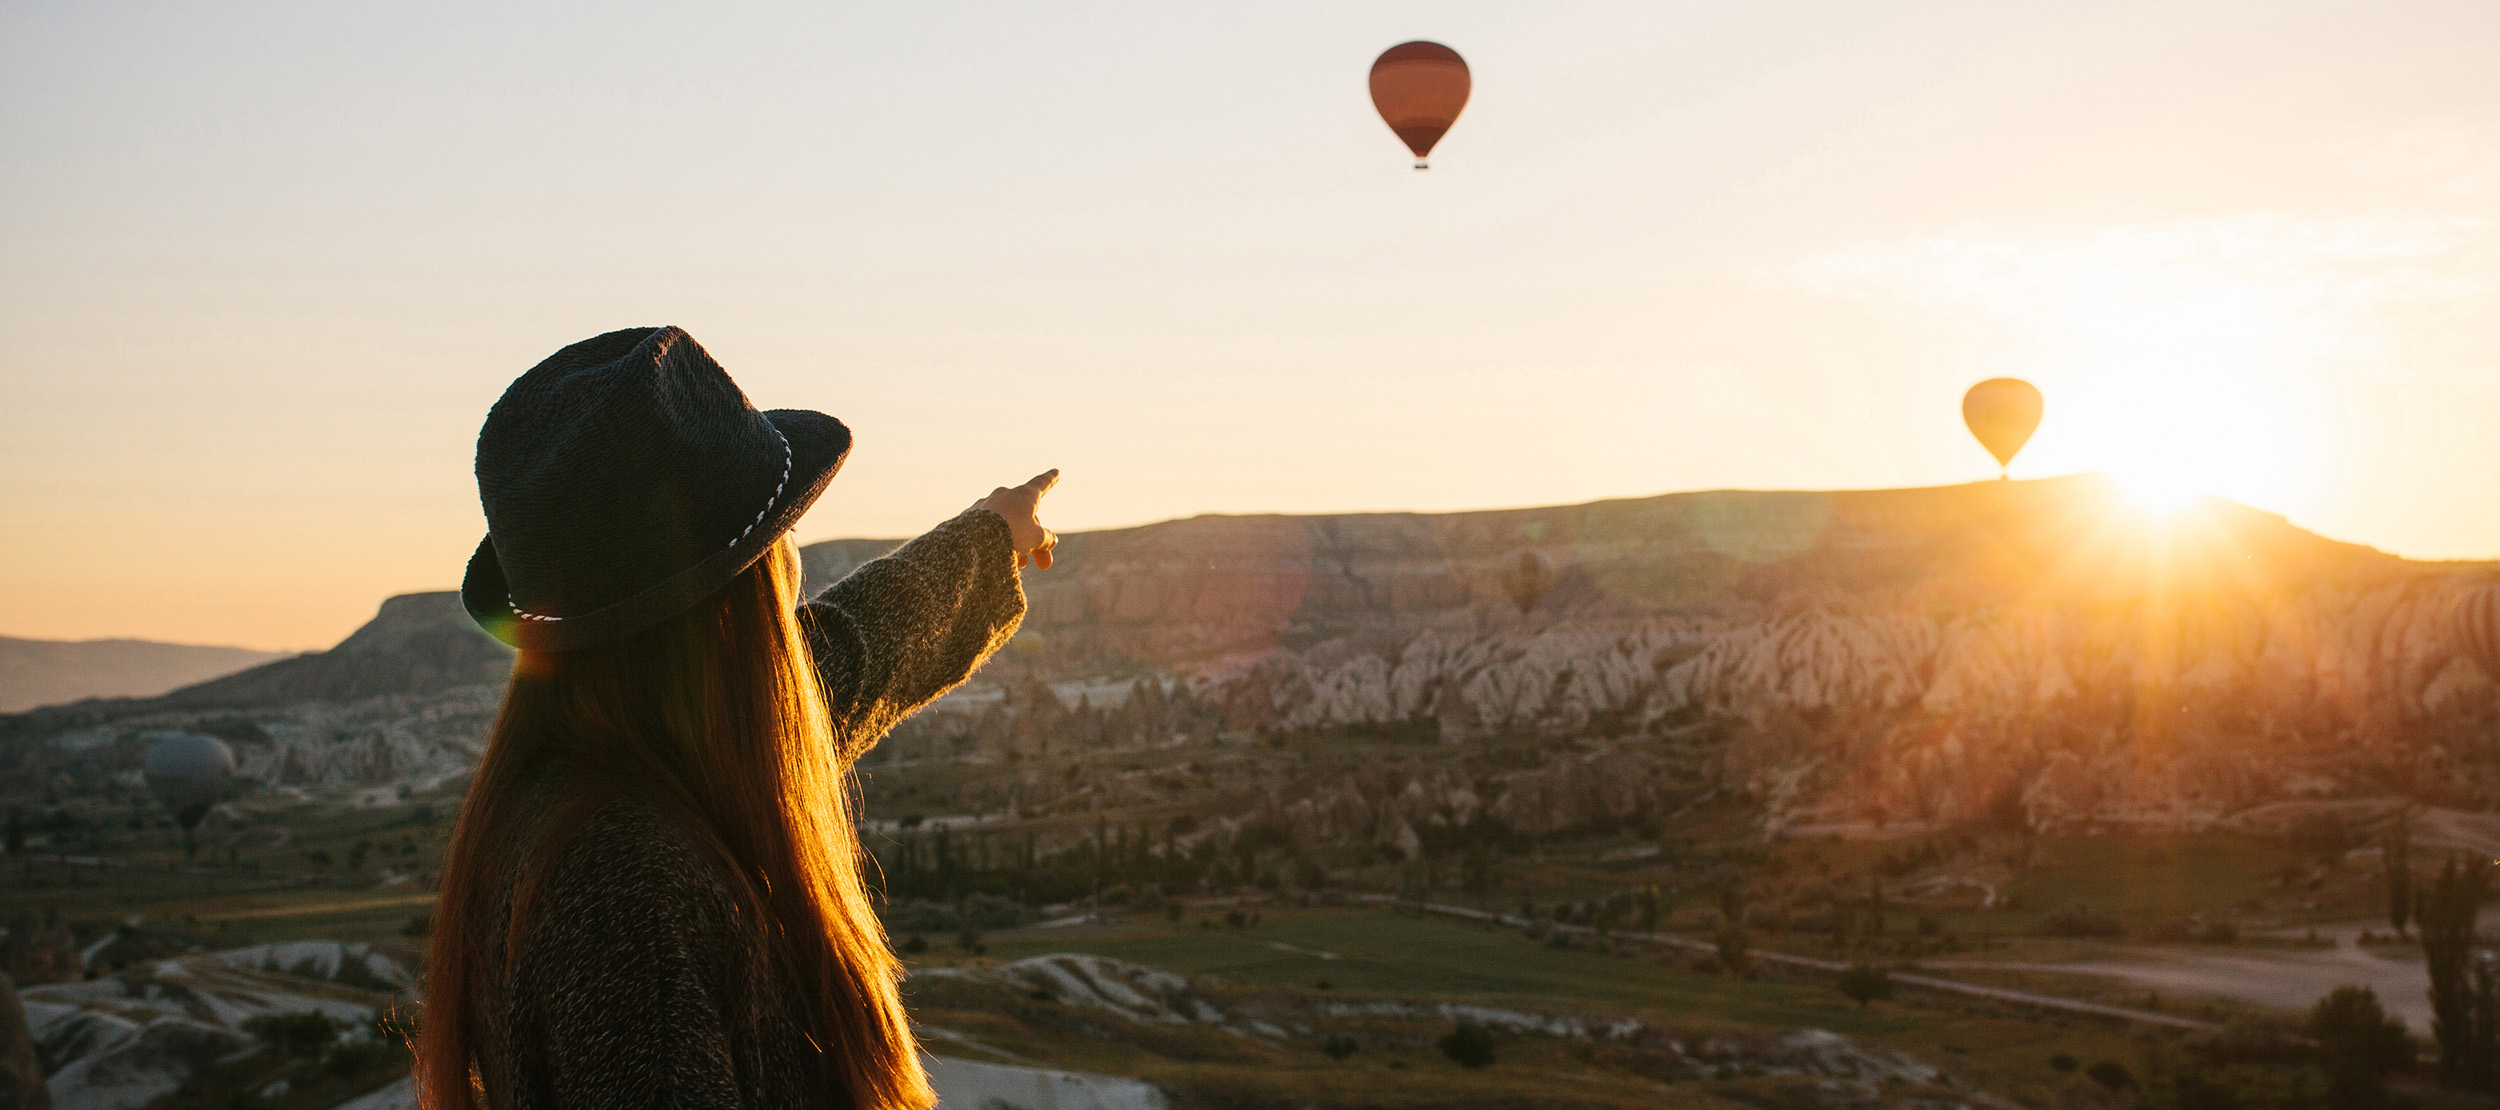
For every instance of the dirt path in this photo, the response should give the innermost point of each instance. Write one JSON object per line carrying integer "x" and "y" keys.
{"x": 1949, "y": 986}
{"x": 2439, "y": 831}
{"x": 2286, "y": 980}
{"x": 2278, "y": 980}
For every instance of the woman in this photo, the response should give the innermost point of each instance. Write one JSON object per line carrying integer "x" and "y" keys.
{"x": 653, "y": 897}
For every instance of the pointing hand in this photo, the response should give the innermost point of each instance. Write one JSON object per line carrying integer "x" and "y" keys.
{"x": 1020, "y": 507}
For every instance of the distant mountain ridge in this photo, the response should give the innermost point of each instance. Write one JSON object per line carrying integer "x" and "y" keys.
{"x": 2035, "y": 651}
{"x": 1193, "y": 595}
{"x": 46, "y": 672}
{"x": 417, "y": 644}
{"x": 2041, "y": 652}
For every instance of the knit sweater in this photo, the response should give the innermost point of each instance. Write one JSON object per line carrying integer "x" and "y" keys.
{"x": 634, "y": 985}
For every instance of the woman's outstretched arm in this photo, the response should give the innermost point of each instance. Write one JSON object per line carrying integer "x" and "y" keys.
{"x": 903, "y": 629}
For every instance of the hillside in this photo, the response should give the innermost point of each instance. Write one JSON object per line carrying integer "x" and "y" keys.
{"x": 2034, "y": 653}
{"x": 49, "y": 672}
{"x": 1193, "y": 594}
{"x": 2020, "y": 705}
{"x": 416, "y": 645}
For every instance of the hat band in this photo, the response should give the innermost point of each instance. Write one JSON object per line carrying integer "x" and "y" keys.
{"x": 734, "y": 541}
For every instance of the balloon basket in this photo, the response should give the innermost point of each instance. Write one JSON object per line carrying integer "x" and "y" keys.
{"x": 1423, "y": 165}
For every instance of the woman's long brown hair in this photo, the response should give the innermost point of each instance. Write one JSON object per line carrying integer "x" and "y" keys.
{"x": 715, "y": 720}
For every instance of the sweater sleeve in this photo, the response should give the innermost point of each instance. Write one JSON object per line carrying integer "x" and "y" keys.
{"x": 624, "y": 971}
{"x": 903, "y": 629}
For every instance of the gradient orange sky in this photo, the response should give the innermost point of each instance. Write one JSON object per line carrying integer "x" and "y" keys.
{"x": 266, "y": 265}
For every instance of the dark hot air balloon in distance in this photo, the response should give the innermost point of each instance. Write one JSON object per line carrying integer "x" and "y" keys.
{"x": 1419, "y": 87}
{"x": 2002, "y": 413}
{"x": 1526, "y": 579}
{"x": 2477, "y": 627}
{"x": 188, "y": 773}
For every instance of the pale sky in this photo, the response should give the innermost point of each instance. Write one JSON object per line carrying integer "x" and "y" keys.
{"x": 264, "y": 267}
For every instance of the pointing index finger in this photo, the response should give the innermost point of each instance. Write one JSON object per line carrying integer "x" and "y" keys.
{"x": 1043, "y": 481}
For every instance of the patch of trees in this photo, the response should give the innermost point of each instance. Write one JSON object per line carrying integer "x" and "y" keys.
{"x": 1866, "y": 983}
{"x": 1469, "y": 1045}
{"x": 2359, "y": 1046}
{"x": 945, "y": 866}
{"x": 2079, "y": 920}
{"x": 2465, "y": 985}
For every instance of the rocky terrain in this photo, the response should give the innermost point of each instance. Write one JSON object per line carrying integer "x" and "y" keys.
{"x": 1592, "y": 712}
{"x": 2033, "y": 654}
{"x": 311, "y": 1024}
{"x": 131, "y": 1039}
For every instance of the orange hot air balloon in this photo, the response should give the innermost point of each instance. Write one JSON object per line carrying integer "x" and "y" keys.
{"x": 1419, "y": 87}
{"x": 2001, "y": 414}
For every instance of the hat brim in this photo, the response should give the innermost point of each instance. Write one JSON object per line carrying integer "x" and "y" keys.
{"x": 818, "y": 444}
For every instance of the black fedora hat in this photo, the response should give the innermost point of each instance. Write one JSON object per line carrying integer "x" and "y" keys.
{"x": 625, "y": 479}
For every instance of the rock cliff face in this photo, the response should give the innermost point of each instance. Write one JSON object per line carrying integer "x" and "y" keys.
{"x": 2035, "y": 651}
{"x": 416, "y": 644}
{"x": 1195, "y": 595}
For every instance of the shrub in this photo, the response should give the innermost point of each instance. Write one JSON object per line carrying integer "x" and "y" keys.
{"x": 2065, "y": 1062}
{"x": 986, "y": 912}
{"x": 1470, "y": 1045}
{"x": 916, "y": 945}
{"x": 2079, "y": 920}
{"x": 2198, "y": 1090}
{"x": 2322, "y": 834}
{"x": 302, "y": 1033}
{"x": 915, "y": 915}
{"x": 1309, "y": 875}
{"x": 1866, "y": 983}
{"x": 989, "y": 912}
{"x": 420, "y": 925}
{"x": 1338, "y": 1046}
{"x": 2111, "y": 1074}
{"x": 356, "y": 1058}
{"x": 2252, "y": 1041}
{"x": 2356, "y": 1038}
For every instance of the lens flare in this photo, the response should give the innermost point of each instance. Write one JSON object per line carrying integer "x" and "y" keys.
{"x": 2156, "y": 489}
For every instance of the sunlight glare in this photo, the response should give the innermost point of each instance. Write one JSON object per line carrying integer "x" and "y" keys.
{"x": 2156, "y": 490}
{"x": 2184, "y": 358}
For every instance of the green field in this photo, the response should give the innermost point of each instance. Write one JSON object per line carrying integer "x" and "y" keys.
{"x": 325, "y": 882}
{"x": 1383, "y": 955}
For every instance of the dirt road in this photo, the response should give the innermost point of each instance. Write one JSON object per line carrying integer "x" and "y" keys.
{"x": 2278, "y": 980}
{"x": 1930, "y": 982}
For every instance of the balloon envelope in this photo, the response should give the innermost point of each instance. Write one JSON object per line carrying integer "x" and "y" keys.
{"x": 1419, "y": 87}
{"x": 2002, "y": 413}
{"x": 188, "y": 772}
